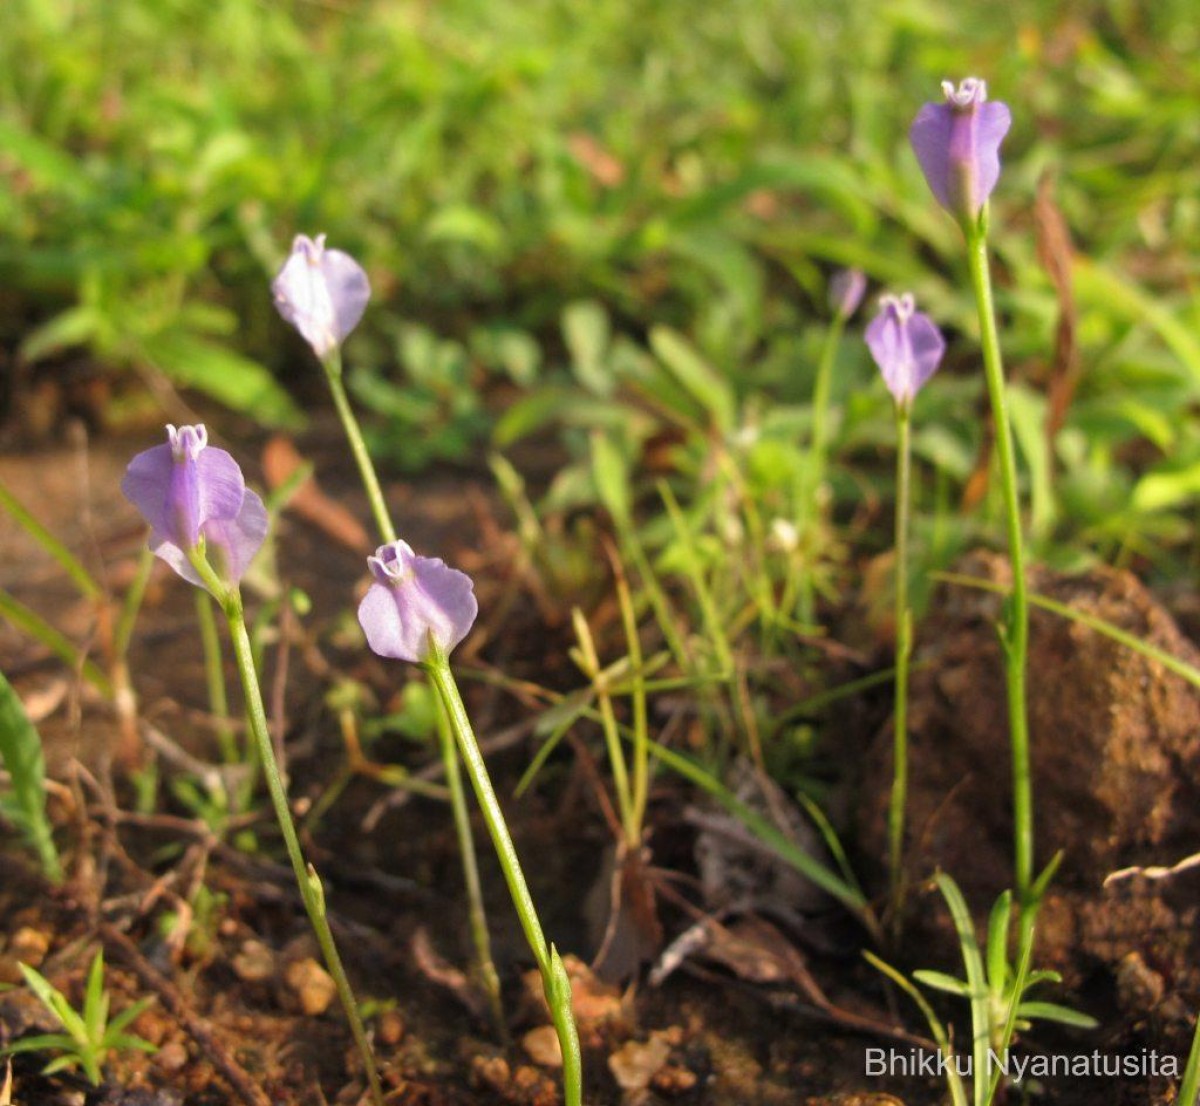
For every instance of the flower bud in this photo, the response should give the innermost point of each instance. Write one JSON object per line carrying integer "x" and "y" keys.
{"x": 906, "y": 346}
{"x": 846, "y": 291}
{"x": 958, "y": 146}
{"x": 322, "y": 293}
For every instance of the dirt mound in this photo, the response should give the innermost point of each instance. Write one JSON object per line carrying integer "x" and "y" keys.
{"x": 1116, "y": 764}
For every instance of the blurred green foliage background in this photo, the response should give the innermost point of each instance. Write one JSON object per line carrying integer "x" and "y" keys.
{"x": 535, "y": 187}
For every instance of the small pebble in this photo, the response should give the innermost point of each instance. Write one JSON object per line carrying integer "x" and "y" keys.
{"x": 674, "y": 1080}
{"x": 542, "y": 1045}
{"x": 635, "y": 1063}
{"x": 172, "y": 1057}
{"x": 254, "y": 963}
{"x": 29, "y": 946}
{"x": 391, "y": 1028}
{"x": 312, "y": 984}
{"x": 492, "y": 1071}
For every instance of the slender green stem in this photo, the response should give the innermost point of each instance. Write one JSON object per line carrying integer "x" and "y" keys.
{"x": 462, "y": 820}
{"x": 470, "y": 865}
{"x": 631, "y": 545}
{"x": 1171, "y": 663}
{"x": 554, "y": 980}
{"x": 903, "y": 619}
{"x": 468, "y": 747}
{"x": 366, "y": 470}
{"x": 214, "y": 675}
{"x": 311, "y": 890}
{"x": 810, "y": 488}
{"x": 1016, "y": 624}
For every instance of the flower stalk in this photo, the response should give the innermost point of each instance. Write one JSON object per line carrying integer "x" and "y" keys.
{"x": 1015, "y": 626}
{"x": 555, "y": 982}
{"x": 332, "y": 364}
{"x": 958, "y": 146}
{"x": 312, "y": 892}
{"x": 486, "y": 967}
{"x": 903, "y": 620}
{"x": 323, "y": 294}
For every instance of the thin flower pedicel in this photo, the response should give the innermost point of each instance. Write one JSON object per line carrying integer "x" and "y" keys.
{"x": 190, "y": 492}
{"x": 324, "y": 293}
{"x": 417, "y": 610}
{"x": 906, "y": 345}
{"x": 200, "y": 511}
{"x": 958, "y": 145}
{"x": 321, "y": 292}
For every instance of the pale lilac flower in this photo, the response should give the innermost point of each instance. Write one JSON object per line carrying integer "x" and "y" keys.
{"x": 322, "y": 293}
{"x": 906, "y": 346}
{"x": 958, "y": 146}
{"x": 415, "y": 605}
{"x": 846, "y": 291}
{"x": 187, "y": 490}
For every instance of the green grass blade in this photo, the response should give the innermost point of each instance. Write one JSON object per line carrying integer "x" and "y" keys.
{"x": 1053, "y": 1012}
{"x": 704, "y": 597}
{"x": 1189, "y": 1086}
{"x": 21, "y": 751}
{"x": 997, "y": 945}
{"x": 56, "y": 1002}
{"x": 808, "y": 865}
{"x": 1170, "y": 662}
{"x": 95, "y": 1000}
{"x": 958, "y": 1094}
{"x": 976, "y": 984}
{"x": 116, "y": 1027}
{"x": 84, "y": 580}
{"x": 33, "y": 624}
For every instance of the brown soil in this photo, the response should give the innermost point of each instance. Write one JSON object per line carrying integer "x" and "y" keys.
{"x": 242, "y": 1007}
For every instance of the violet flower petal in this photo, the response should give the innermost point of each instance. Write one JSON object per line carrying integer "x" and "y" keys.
{"x": 958, "y": 146}
{"x": 232, "y": 543}
{"x": 220, "y": 484}
{"x": 846, "y": 291}
{"x": 146, "y": 483}
{"x": 930, "y": 137}
{"x": 906, "y": 345}
{"x": 322, "y": 293}
{"x": 187, "y": 490}
{"x": 415, "y": 602}
{"x": 927, "y": 345}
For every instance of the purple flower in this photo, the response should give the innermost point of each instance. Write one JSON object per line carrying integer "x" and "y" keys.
{"x": 322, "y": 293}
{"x": 958, "y": 146}
{"x": 188, "y": 490}
{"x": 906, "y": 346}
{"x": 846, "y": 292}
{"x": 416, "y": 604}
